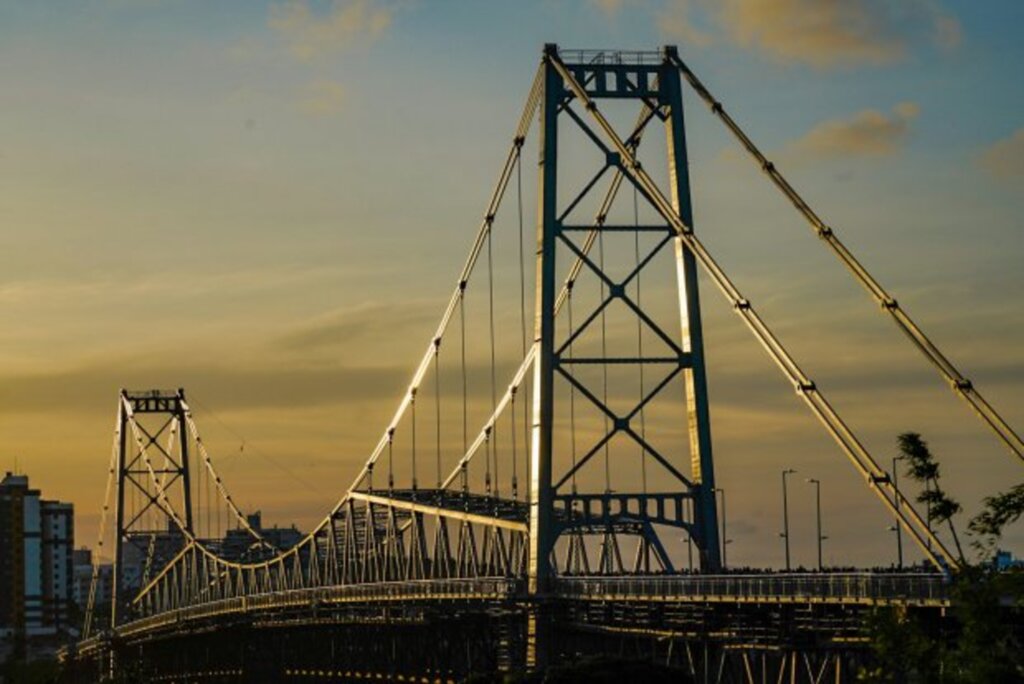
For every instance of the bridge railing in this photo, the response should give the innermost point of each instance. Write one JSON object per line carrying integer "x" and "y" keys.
{"x": 496, "y": 588}
{"x": 869, "y": 588}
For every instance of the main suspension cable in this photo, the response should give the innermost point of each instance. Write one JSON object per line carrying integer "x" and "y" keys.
{"x": 957, "y": 381}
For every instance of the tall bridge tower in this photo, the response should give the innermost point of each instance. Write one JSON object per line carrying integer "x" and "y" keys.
{"x": 656, "y": 87}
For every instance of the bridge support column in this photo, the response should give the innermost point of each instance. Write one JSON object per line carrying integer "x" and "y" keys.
{"x": 705, "y": 518}
{"x": 542, "y": 534}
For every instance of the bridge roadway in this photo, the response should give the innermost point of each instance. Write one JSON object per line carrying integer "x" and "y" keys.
{"x": 316, "y": 604}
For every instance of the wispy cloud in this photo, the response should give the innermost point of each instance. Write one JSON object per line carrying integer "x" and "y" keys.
{"x": 1005, "y": 158}
{"x": 609, "y": 7}
{"x": 310, "y": 34}
{"x": 870, "y": 133}
{"x": 322, "y": 98}
{"x": 373, "y": 322}
{"x": 92, "y": 388}
{"x": 820, "y": 33}
{"x": 678, "y": 22}
{"x": 44, "y": 292}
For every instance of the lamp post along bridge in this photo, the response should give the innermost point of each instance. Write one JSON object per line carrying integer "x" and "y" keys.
{"x": 556, "y": 508}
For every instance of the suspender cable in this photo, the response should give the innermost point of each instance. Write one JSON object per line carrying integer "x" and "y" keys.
{"x": 209, "y": 498}
{"x": 522, "y": 305}
{"x": 494, "y": 364}
{"x": 465, "y": 388}
{"x": 517, "y": 381}
{"x": 572, "y": 392}
{"x": 198, "y": 496}
{"x": 957, "y": 381}
{"x": 604, "y": 366}
{"x": 514, "y": 428}
{"x": 391, "y": 459}
{"x": 522, "y": 250}
{"x": 220, "y": 527}
{"x": 190, "y": 431}
{"x": 437, "y": 403}
{"x": 456, "y": 297}
{"x": 521, "y": 379}
{"x": 640, "y": 342}
{"x": 412, "y": 407}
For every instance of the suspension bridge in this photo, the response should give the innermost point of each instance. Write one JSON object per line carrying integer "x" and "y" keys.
{"x": 545, "y": 487}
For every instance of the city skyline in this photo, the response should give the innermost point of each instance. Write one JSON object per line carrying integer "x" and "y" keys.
{"x": 219, "y": 213}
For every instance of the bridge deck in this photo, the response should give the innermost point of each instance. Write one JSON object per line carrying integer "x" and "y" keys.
{"x": 855, "y": 589}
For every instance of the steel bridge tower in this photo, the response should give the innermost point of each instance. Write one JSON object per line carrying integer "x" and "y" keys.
{"x": 655, "y": 85}
{"x": 141, "y": 512}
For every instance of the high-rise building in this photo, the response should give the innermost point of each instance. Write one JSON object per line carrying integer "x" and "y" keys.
{"x": 58, "y": 527}
{"x": 12, "y": 558}
{"x": 81, "y": 568}
{"x": 36, "y": 539}
{"x": 84, "y": 570}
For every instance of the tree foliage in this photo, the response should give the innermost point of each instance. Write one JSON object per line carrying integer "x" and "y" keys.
{"x": 905, "y": 648}
{"x": 1000, "y": 510}
{"x": 983, "y": 642}
{"x": 922, "y": 467}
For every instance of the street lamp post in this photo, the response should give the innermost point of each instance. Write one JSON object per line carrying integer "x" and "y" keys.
{"x": 899, "y": 503}
{"x": 899, "y": 547}
{"x": 785, "y": 514}
{"x": 689, "y": 537}
{"x": 821, "y": 537}
{"x": 725, "y": 538}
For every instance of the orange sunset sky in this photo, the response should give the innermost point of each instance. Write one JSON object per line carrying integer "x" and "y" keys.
{"x": 268, "y": 203}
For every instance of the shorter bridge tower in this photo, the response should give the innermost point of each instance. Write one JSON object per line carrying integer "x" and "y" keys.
{"x": 150, "y": 423}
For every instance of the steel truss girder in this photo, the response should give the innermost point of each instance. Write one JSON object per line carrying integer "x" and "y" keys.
{"x": 381, "y": 537}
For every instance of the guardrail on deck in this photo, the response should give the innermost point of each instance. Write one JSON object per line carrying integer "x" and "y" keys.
{"x": 855, "y": 588}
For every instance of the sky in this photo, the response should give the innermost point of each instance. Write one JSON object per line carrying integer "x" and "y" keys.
{"x": 269, "y": 203}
